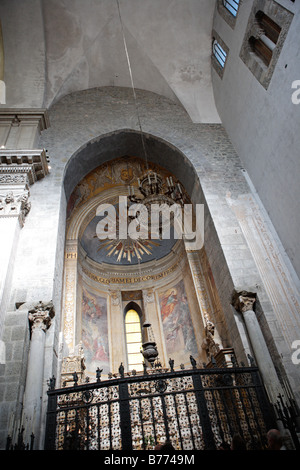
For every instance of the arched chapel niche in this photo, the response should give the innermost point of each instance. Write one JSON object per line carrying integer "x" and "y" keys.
{"x": 172, "y": 289}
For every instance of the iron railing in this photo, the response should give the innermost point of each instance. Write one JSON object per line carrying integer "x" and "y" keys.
{"x": 193, "y": 408}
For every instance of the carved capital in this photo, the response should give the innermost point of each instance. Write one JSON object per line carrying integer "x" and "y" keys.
{"x": 14, "y": 198}
{"x": 244, "y": 301}
{"x": 40, "y": 316}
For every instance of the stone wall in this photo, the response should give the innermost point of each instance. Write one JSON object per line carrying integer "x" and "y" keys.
{"x": 263, "y": 124}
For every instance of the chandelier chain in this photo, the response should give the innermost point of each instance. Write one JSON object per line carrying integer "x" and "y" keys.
{"x": 132, "y": 84}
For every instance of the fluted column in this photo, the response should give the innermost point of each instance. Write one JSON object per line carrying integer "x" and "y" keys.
{"x": 245, "y": 304}
{"x": 40, "y": 320}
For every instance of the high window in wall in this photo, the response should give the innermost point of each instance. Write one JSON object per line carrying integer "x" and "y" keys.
{"x": 228, "y": 9}
{"x": 232, "y": 6}
{"x": 266, "y": 31}
{"x": 219, "y": 54}
{"x": 133, "y": 334}
{"x": 268, "y": 34}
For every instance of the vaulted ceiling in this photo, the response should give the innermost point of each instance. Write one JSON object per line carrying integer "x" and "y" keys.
{"x": 55, "y": 47}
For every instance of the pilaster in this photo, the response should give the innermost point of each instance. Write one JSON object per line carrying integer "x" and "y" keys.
{"x": 70, "y": 293}
{"x": 18, "y": 170}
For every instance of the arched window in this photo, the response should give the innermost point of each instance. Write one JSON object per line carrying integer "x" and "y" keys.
{"x": 133, "y": 340}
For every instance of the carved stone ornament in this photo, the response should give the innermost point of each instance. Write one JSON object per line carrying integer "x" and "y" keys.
{"x": 209, "y": 344}
{"x": 40, "y": 316}
{"x": 15, "y": 204}
{"x": 244, "y": 301}
{"x": 73, "y": 363}
{"x": 148, "y": 296}
{"x": 115, "y": 298}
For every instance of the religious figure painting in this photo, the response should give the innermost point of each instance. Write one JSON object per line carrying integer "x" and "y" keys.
{"x": 95, "y": 331}
{"x": 177, "y": 324}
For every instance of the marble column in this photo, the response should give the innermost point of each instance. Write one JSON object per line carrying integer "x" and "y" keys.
{"x": 245, "y": 304}
{"x": 40, "y": 320}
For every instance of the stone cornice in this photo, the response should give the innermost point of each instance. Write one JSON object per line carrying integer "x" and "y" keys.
{"x": 34, "y": 163}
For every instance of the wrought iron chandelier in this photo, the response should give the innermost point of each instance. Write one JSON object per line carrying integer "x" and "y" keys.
{"x": 153, "y": 190}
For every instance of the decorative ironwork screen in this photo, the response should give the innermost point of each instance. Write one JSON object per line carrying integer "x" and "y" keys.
{"x": 193, "y": 408}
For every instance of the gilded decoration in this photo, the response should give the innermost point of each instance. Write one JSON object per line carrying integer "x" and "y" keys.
{"x": 130, "y": 280}
{"x": 69, "y": 306}
{"x": 106, "y": 185}
{"x": 122, "y": 171}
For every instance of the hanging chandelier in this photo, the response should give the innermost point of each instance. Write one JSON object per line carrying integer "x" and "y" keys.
{"x": 153, "y": 190}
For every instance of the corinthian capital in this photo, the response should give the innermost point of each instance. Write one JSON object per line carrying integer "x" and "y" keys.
{"x": 244, "y": 301}
{"x": 40, "y": 316}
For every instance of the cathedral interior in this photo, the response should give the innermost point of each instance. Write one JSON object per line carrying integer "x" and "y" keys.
{"x": 113, "y": 106}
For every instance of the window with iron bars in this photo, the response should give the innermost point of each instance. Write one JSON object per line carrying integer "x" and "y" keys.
{"x": 219, "y": 53}
{"x": 232, "y": 6}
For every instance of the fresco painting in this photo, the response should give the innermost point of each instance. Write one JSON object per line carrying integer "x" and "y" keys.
{"x": 95, "y": 331}
{"x": 177, "y": 324}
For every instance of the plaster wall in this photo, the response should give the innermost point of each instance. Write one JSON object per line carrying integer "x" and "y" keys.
{"x": 24, "y": 53}
{"x": 263, "y": 124}
{"x": 55, "y": 47}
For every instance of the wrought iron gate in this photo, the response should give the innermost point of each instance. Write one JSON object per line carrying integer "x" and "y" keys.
{"x": 194, "y": 409}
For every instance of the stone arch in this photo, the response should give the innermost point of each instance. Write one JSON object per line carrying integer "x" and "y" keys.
{"x": 129, "y": 142}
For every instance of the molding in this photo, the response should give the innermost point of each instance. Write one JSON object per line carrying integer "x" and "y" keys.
{"x": 34, "y": 163}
